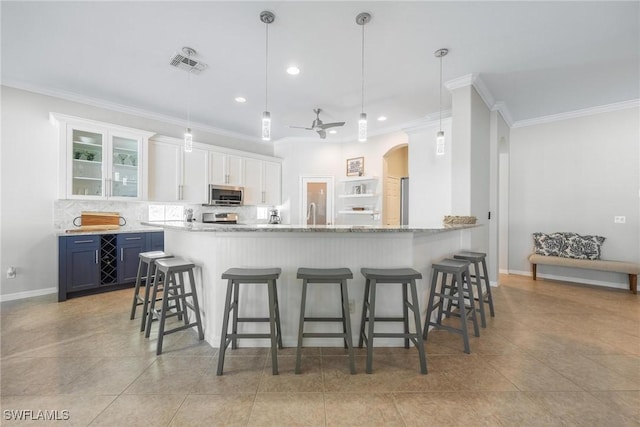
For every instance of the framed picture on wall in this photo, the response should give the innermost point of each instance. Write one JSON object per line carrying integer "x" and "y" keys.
{"x": 355, "y": 167}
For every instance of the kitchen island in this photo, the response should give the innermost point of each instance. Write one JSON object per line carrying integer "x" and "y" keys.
{"x": 215, "y": 248}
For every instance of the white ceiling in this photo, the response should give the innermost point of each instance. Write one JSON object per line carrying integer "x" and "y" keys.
{"x": 539, "y": 58}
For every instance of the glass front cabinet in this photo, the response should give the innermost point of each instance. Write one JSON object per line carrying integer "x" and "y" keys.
{"x": 101, "y": 161}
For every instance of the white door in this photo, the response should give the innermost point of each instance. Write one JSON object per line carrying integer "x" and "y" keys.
{"x": 316, "y": 196}
{"x": 391, "y": 206}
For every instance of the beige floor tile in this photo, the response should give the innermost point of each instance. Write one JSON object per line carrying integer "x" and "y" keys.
{"x": 579, "y": 408}
{"x": 241, "y": 374}
{"x": 622, "y": 364}
{"x": 361, "y": 410}
{"x": 511, "y": 409}
{"x": 309, "y": 379}
{"x": 137, "y": 410}
{"x": 170, "y": 375}
{"x": 214, "y": 410}
{"x": 529, "y": 374}
{"x": 625, "y": 403}
{"x": 288, "y": 409}
{"x": 81, "y": 409}
{"x": 439, "y": 409}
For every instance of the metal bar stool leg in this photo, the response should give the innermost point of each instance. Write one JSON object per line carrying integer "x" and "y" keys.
{"x": 235, "y": 305}
{"x": 277, "y": 315}
{"x": 345, "y": 309}
{"x": 196, "y": 305}
{"x": 152, "y": 303}
{"x": 485, "y": 276}
{"x": 136, "y": 290}
{"x": 432, "y": 293}
{"x": 363, "y": 318}
{"x": 458, "y": 280}
{"x": 169, "y": 282}
{"x": 272, "y": 326}
{"x": 147, "y": 290}
{"x": 405, "y": 312}
{"x": 372, "y": 316}
{"x": 474, "y": 317}
{"x": 225, "y": 325}
{"x": 303, "y": 304}
{"x": 347, "y": 325}
{"x": 416, "y": 318}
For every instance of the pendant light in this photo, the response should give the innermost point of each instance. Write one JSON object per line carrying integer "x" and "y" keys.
{"x": 266, "y": 17}
{"x": 440, "y": 136}
{"x": 188, "y": 137}
{"x": 362, "y": 19}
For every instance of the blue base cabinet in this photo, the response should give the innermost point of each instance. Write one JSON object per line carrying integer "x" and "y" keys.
{"x": 89, "y": 264}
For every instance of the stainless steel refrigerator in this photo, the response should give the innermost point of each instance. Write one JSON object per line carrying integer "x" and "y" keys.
{"x": 404, "y": 201}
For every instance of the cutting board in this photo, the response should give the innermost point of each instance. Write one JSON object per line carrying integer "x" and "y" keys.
{"x": 96, "y": 221}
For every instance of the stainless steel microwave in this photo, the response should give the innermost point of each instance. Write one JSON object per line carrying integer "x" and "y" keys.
{"x": 223, "y": 195}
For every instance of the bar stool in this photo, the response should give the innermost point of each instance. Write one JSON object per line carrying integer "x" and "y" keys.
{"x": 235, "y": 277}
{"x": 147, "y": 264}
{"x": 453, "y": 291}
{"x": 478, "y": 260}
{"x": 326, "y": 275}
{"x": 405, "y": 277}
{"x": 170, "y": 271}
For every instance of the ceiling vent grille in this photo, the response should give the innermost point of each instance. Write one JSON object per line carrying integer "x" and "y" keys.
{"x": 184, "y": 62}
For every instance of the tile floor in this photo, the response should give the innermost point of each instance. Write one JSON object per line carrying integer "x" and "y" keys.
{"x": 555, "y": 354}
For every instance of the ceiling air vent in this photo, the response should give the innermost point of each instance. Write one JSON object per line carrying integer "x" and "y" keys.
{"x": 185, "y": 61}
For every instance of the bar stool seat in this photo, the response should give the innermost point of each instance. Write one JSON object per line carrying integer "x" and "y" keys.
{"x": 453, "y": 291}
{"x": 235, "y": 277}
{"x": 146, "y": 273}
{"x": 407, "y": 278}
{"x": 170, "y": 271}
{"x": 480, "y": 276}
{"x": 323, "y": 276}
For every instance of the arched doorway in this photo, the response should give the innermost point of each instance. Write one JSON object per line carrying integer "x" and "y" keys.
{"x": 395, "y": 167}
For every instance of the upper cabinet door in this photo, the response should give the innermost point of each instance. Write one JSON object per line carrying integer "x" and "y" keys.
{"x": 100, "y": 160}
{"x": 194, "y": 176}
{"x": 126, "y": 174}
{"x": 86, "y": 163}
{"x": 164, "y": 171}
{"x": 225, "y": 169}
{"x": 253, "y": 194}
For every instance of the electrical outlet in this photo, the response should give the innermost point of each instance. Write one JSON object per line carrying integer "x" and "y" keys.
{"x": 11, "y": 273}
{"x": 619, "y": 219}
{"x": 352, "y": 306}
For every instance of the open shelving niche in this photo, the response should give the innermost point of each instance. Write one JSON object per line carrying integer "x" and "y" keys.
{"x": 354, "y": 198}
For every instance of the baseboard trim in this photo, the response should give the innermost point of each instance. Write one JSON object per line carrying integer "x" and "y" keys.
{"x": 28, "y": 294}
{"x": 573, "y": 279}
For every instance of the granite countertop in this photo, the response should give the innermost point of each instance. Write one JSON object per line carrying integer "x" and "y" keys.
{"x": 126, "y": 229}
{"x": 200, "y": 227}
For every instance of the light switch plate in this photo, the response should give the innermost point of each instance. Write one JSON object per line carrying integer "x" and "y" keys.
{"x": 619, "y": 219}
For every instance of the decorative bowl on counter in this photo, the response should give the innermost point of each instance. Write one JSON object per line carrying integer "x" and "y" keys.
{"x": 453, "y": 219}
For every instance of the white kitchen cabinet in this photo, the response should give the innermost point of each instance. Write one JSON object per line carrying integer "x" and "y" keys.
{"x": 225, "y": 169}
{"x": 175, "y": 175}
{"x": 262, "y": 182}
{"x": 100, "y": 160}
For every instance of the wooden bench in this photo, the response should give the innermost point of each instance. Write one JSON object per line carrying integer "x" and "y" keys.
{"x": 629, "y": 268}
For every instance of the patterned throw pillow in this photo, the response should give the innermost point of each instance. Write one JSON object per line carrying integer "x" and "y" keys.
{"x": 548, "y": 244}
{"x": 582, "y": 247}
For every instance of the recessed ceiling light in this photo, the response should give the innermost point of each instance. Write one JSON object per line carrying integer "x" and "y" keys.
{"x": 333, "y": 131}
{"x": 293, "y": 70}
{"x": 382, "y": 118}
{"x": 241, "y": 99}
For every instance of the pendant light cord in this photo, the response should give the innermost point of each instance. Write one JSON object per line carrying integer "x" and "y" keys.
{"x": 362, "y": 68}
{"x": 441, "y": 93}
{"x": 266, "y": 67}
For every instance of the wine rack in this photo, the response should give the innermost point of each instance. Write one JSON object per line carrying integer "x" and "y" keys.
{"x": 108, "y": 259}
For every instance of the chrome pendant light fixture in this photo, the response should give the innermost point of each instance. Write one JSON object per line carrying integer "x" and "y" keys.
{"x": 440, "y": 136}
{"x": 362, "y": 19}
{"x": 266, "y": 17}
{"x": 188, "y": 136}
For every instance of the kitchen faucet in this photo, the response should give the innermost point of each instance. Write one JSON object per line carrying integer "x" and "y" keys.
{"x": 312, "y": 206}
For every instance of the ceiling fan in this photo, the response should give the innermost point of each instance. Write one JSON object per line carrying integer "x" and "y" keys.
{"x": 318, "y": 126}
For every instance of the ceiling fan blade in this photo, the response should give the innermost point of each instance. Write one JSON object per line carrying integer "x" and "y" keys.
{"x": 322, "y": 133}
{"x": 300, "y": 127}
{"x": 331, "y": 125}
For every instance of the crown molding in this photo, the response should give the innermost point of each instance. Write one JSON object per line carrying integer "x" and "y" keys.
{"x": 462, "y": 81}
{"x": 634, "y": 103}
{"x": 501, "y": 107}
{"x": 476, "y": 81}
{"x": 139, "y": 112}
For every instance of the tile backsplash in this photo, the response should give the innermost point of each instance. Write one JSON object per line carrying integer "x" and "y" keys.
{"x": 64, "y": 211}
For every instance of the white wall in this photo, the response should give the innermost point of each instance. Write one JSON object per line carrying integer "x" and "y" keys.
{"x": 430, "y": 183}
{"x": 29, "y": 174}
{"x": 576, "y": 175}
